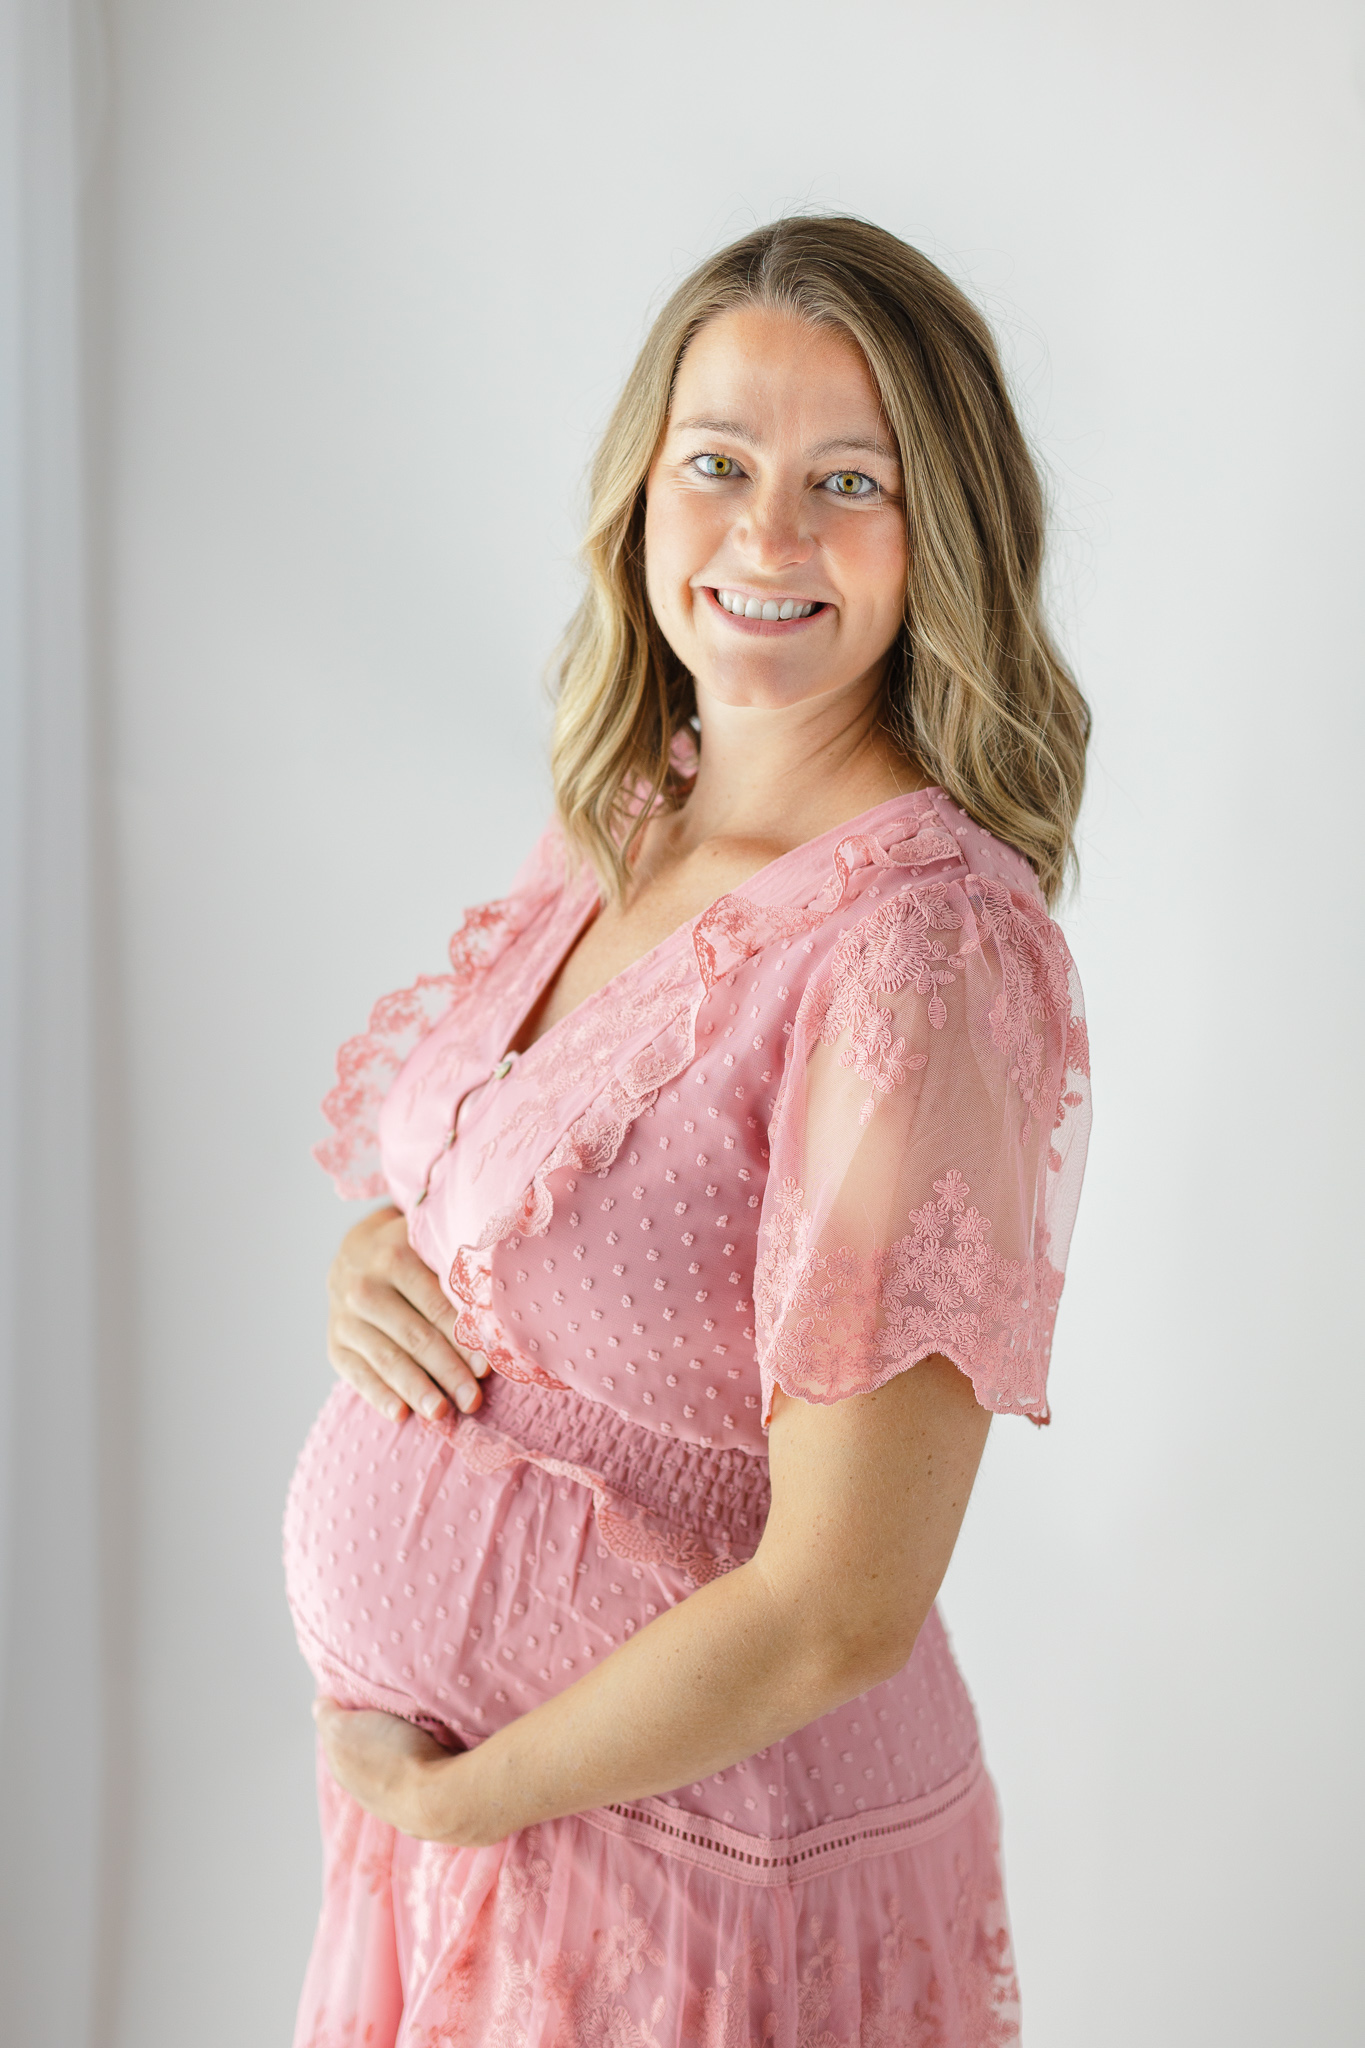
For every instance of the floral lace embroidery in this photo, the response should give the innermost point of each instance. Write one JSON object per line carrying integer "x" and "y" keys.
{"x": 1035, "y": 986}
{"x": 732, "y": 930}
{"x": 893, "y": 946}
{"x": 886, "y": 2020}
{"x": 721, "y": 2018}
{"x": 896, "y": 946}
{"x": 843, "y": 1321}
{"x": 584, "y": 1047}
{"x": 490, "y": 2007}
{"x": 360, "y": 1847}
{"x": 983, "y": 1976}
{"x": 826, "y": 1964}
{"x": 482, "y": 1997}
{"x": 525, "y": 1881}
{"x": 982, "y": 1967}
{"x": 1007, "y": 1337}
{"x": 928, "y": 844}
{"x": 1078, "y": 1063}
{"x": 483, "y": 1956}
{"x": 590, "y": 1987}
{"x": 367, "y": 1064}
{"x": 840, "y": 1320}
{"x": 891, "y": 2023}
{"x": 982, "y": 1963}
{"x": 1078, "y": 1047}
{"x": 735, "y": 928}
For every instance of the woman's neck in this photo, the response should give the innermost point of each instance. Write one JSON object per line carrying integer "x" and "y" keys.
{"x": 779, "y": 777}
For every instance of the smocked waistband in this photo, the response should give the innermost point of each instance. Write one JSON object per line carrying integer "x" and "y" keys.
{"x": 715, "y": 1491}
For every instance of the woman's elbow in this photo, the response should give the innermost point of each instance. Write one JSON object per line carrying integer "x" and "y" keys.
{"x": 864, "y": 1650}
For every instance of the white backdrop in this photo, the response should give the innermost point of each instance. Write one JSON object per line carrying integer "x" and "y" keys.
{"x": 376, "y": 272}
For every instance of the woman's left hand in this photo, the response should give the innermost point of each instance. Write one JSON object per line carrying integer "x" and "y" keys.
{"x": 398, "y": 1773}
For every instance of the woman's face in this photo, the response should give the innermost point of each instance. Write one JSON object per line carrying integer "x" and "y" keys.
{"x": 775, "y": 545}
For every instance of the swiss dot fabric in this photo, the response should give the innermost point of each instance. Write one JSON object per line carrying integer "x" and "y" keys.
{"x": 832, "y": 1126}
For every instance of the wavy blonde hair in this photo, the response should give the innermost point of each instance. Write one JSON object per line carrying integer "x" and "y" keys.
{"x": 975, "y": 690}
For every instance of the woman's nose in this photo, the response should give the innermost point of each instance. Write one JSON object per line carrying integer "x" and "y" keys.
{"x": 772, "y": 532}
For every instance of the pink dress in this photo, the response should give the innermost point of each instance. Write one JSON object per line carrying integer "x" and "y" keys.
{"x": 832, "y": 1126}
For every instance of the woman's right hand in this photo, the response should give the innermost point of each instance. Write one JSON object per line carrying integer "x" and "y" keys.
{"x": 390, "y": 1330}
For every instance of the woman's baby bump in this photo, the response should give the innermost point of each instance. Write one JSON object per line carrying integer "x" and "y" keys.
{"x": 468, "y": 1596}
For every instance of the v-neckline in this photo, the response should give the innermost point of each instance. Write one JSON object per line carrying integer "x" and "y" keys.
{"x": 859, "y": 826}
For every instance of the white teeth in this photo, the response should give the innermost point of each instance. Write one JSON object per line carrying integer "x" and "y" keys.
{"x": 741, "y": 607}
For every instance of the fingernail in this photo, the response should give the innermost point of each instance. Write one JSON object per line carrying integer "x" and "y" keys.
{"x": 433, "y": 1404}
{"x": 317, "y": 1709}
{"x": 480, "y": 1366}
{"x": 467, "y": 1396}
{"x": 393, "y": 1409}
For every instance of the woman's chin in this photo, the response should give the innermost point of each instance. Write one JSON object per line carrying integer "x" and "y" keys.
{"x": 764, "y": 683}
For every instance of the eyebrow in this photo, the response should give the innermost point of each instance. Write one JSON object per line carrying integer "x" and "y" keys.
{"x": 855, "y": 441}
{"x": 735, "y": 430}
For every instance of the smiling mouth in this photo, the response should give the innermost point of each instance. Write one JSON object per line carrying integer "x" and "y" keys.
{"x": 770, "y": 610}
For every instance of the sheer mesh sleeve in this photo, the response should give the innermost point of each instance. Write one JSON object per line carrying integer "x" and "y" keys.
{"x": 926, "y": 1152}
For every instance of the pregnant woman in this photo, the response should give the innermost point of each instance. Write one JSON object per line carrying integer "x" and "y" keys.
{"x": 729, "y": 1175}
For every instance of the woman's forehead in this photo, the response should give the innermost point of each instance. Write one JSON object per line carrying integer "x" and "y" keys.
{"x": 757, "y": 373}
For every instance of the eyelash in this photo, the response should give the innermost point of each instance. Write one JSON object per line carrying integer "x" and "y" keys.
{"x": 857, "y": 497}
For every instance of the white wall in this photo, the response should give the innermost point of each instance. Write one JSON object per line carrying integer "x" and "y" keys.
{"x": 378, "y": 270}
{"x": 52, "y": 1710}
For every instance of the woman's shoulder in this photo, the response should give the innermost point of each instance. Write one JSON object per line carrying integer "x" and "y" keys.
{"x": 932, "y": 875}
{"x": 982, "y": 851}
{"x": 917, "y": 856}
{"x": 920, "y": 849}
{"x": 547, "y": 865}
{"x": 931, "y": 922}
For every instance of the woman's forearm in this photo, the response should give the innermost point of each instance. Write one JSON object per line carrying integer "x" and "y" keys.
{"x": 711, "y": 1681}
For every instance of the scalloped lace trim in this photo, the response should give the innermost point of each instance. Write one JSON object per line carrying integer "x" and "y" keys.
{"x": 477, "y": 1326}
{"x": 585, "y": 1046}
{"x": 849, "y": 1321}
{"x": 367, "y": 1064}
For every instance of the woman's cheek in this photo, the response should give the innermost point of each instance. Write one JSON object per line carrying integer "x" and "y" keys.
{"x": 873, "y": 570}
{"x": 676, "y": 547}
{"x": 894, "y": 561}
{"x": 659, "y": 589}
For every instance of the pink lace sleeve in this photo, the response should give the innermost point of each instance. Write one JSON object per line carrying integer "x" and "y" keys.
{"x": 926, "y": 1152}
{"x": 367, "y": 1064}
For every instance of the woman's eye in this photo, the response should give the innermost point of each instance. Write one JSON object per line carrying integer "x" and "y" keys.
{"x": 851, "y": 483}
{"x": 716, "y": 465}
